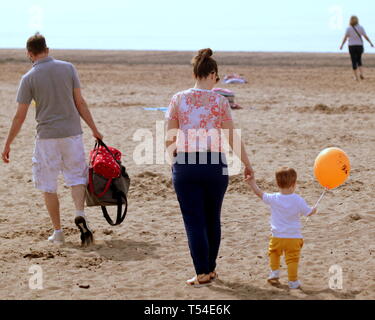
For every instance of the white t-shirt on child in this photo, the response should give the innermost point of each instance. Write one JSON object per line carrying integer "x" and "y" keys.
{"x": 286, "y": 210}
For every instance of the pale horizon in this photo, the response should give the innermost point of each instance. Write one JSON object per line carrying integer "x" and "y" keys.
{"x": 166, "y": 25}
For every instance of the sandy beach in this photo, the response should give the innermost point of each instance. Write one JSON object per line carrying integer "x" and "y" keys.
{"x": 294, "y": 105}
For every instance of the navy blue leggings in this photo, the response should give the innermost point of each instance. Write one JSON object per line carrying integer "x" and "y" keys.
{"x": 200, "y": 190}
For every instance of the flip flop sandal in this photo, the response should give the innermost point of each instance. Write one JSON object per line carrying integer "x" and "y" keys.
{"x": 214, "y": 276}
{"x": 194, "y": 282}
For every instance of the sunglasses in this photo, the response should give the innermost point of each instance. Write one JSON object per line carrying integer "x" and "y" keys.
{"x": 217, "y": 77}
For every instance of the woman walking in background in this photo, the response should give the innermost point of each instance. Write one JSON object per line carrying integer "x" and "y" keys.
{"x": 200, "y": 176}
{"x": 354, "y": 33}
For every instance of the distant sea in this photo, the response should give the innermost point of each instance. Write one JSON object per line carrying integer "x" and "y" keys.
{"x": 230, "y": 40}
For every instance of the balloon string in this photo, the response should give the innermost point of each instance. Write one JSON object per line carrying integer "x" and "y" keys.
{"x": 321, "y": 197}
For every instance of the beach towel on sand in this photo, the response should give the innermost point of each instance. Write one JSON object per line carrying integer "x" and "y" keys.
{"x": 164, "y": 109}
{"x": 234, "y": 78}
{"x": 229, "y": 95}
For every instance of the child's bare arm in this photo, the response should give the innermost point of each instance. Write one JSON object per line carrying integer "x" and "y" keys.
{"x": 254, "y": 187}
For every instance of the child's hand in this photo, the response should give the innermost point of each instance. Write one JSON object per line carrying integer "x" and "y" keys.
{"x": 314, "y": 211}
{"x": 252, "y": 185}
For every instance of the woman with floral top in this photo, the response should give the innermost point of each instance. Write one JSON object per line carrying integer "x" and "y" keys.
{"x": 196, "y": 119}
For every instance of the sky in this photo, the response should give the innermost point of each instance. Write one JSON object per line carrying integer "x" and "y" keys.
{"x": 233, "y": 25}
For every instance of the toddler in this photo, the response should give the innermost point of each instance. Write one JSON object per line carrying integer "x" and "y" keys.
{"x": 286, "y": 209}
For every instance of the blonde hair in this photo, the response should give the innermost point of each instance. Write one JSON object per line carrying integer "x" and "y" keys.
{"x": 354, "y": 21}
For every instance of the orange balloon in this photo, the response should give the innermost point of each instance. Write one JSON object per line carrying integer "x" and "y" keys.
{"x": 332, "y": 167}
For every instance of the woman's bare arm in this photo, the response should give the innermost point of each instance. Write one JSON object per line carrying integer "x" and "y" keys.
{"x": 343, "y": 42}
{"x": 368, "y": 39}
{"x": 172, "y": 127}
{"x": 235, "y": 141}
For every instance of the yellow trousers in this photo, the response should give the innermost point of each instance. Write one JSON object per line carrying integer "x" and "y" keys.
{"x": 291, "y": 248}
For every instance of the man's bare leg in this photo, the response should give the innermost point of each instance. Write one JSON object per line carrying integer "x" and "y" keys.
{"x": 53, "y": 206}
{"x": 78, "y": 195}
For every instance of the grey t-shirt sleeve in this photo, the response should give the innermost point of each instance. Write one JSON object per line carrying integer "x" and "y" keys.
{"x": 76, "y": 82}
{"x": 24, "y": 94}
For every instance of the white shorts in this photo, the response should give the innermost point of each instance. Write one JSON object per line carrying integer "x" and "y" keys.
{"x": 54, "y": 156}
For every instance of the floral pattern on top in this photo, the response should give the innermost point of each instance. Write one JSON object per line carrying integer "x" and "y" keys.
{"x": 200, "y": 114}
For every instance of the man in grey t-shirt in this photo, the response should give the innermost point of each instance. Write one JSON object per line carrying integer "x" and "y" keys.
{"x": 55, "y": 88}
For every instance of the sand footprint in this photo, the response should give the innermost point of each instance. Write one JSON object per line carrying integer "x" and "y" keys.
{"x": 9, "y": 205}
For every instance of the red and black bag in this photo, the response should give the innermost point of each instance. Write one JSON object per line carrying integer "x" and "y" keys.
{"x": 108, "y": 181}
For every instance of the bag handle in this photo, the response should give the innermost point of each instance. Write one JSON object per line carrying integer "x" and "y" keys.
{"x": 358, "y": 34}
{"x": 120, "y": 217}
{"x": 101, "y": 143}
{"x": 96, "y": 150}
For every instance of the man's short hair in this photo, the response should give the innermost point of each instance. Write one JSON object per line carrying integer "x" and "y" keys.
{"x": 286, "y": 177}
{"x": 36, "y": 44}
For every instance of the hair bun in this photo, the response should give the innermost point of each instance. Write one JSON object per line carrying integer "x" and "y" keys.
{"x": 205, "y": 53}
{"x": 203, "y": 64}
